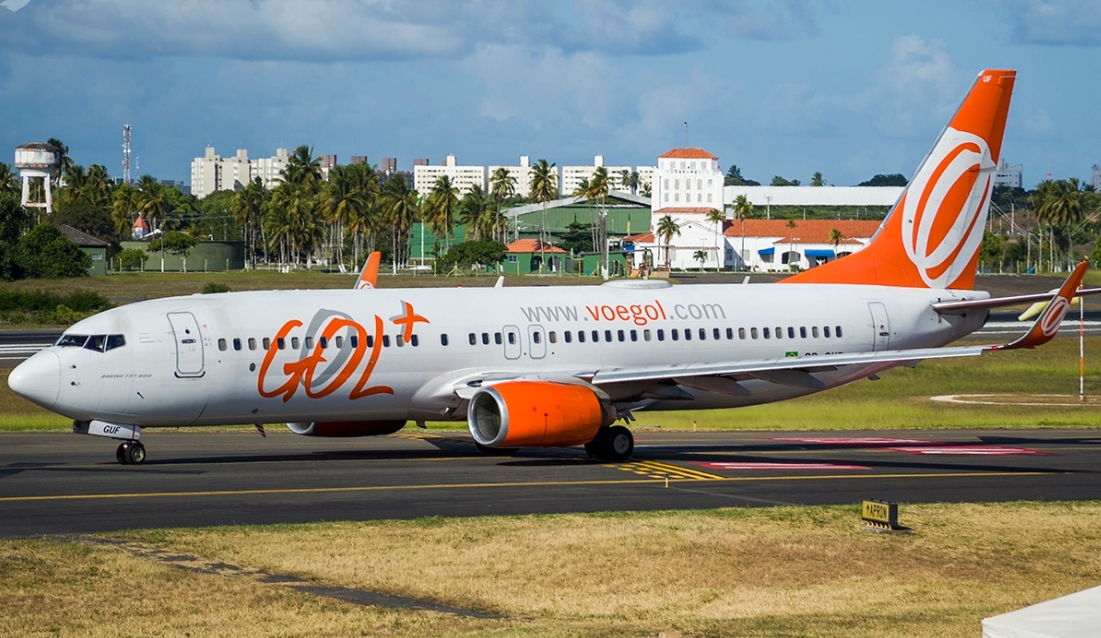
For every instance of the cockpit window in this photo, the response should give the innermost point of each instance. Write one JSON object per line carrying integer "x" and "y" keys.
{"x": 99, "y": 343}
{"x": 72, "y": 340}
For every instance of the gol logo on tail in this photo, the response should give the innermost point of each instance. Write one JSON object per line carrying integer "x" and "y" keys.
{"x": 320, "y": 376}
{"x": 943, "y": 205}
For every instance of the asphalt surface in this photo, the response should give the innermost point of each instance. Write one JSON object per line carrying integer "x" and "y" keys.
{"x": 60, "y": 483}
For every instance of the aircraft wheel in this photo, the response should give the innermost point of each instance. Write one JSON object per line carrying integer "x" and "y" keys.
{"x": 619, "y": 443}
{"x": 596, "y": 448}
{"x": 120, "y": 454}
{"x": 497, "y": 451}
{"x": 135, "y": 454}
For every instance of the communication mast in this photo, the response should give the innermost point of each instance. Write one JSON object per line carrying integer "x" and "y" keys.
{"x": 125, "y": 153}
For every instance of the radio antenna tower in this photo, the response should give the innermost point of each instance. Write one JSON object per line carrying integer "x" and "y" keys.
{"x": 125, "y": 153}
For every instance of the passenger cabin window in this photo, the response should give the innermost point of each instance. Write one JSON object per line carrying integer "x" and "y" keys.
{"x": 802, "y": 333}
{"x": 715, "y": 334}
{"x": 764, "y": 333}
{"x": 568, "y": 336}
{"x": 414, "y": 341}
{"x": 687, "y": 334}
{"x": 596, "y": 336}
{"x": 779, "y": 333}
{"x": 552, "y": 336}
{"x": 580, "y": 336}
{"x": 370, "y": 341}
{"x": 281, "y": 343}
{"x": 497, "y": 338}
{"x": 741, "y": 333}
{"x": 537, "y": 337}
{"x": 512, "y": 338}
{"x": 252, "y": 343}
{"x": 826, "y": 332}
{"x": 661, "y": 334}
{"x": 634, "y": 335}
{"x": 837, "y": 331}
{"x": 385, "y": 341}
{"x": 703, "y": 334}
{"x": 791, "y": 332}
{"x": 294, "y": 343}
{"x": 309, "y": 343}
{"x": 473, "y": 339}
{"x": 324, "y": 342}
{"x": 236, "y": 343}
{"x": 729, "y": 333}
{"x": 753, "y": 333}
{"x": 352, "y": 341}
{"x": 814, "y": 331}
{"x": 443, "y": 339}
{"x": 674, "y": 334}
{"x": 485, "y": 338}
{"x": 646, "y": 334}
{"x": 607, "y": 336}
{"x": 339, "y": 341}
{"x": 223, "y": 345}
{"x": 619, "y": 334}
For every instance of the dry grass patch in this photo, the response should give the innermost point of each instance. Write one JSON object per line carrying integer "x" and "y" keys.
{"x": 52, "y": 588}
{"x": 772, "y": 571}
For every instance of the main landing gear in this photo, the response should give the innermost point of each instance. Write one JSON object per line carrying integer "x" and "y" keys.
{"x": 130, "y": 453}
{"x": 612, "y": 444}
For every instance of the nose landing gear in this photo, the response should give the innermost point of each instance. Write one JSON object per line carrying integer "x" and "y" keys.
{"x": 130, "y": 453}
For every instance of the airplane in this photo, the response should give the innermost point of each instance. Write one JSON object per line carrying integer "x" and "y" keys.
{"x": 553, "y": 367}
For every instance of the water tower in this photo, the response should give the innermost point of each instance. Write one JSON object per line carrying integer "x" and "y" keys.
{"x": 38, "y": 161}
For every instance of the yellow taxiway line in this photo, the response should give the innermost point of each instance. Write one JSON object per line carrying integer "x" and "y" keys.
{"x": 454, "y": 486}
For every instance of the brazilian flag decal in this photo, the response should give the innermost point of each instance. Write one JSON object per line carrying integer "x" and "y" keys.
{"x": 791, "y": 353}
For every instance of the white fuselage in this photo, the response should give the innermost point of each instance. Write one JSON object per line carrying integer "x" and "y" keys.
{"x": 201, "y": 360}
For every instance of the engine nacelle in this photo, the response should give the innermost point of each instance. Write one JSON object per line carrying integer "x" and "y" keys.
{"x": 536, "y": 414}
{"x": 346, "y": 428}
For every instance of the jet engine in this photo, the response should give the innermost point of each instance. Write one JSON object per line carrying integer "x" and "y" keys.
{"x": 536, "y": 414}
{"x": 346, "y": 428}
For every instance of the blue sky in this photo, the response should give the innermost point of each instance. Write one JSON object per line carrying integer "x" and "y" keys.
{"x": 778, "y": 87}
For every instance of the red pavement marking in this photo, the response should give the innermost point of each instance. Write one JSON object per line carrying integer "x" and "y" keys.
{"x": 969, "y": 450}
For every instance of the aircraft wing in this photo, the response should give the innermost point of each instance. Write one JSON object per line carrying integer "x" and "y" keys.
{"x": 798, "y": 371}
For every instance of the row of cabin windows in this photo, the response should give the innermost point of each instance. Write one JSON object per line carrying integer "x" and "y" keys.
{"x": 294, "y": 342}
{"x": 648, "y": 335}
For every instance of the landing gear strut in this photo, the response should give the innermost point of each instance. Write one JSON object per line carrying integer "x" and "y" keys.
{"x": 130, "y": 453}
{"x": 613, "y": 444}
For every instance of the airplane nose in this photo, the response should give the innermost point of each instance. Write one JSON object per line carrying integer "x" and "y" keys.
{"x": 38, "y": 379}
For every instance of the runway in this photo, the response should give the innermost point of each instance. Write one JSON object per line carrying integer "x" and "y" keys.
{"x": 59, "y": 483}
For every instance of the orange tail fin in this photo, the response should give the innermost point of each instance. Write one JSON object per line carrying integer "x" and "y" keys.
{"x": 369, "y": 277}
{"x": 931, "y": 237}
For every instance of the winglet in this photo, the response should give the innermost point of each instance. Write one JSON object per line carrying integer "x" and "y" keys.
{"x": 369, "y": 277}
{"x": 1047, "y": 324}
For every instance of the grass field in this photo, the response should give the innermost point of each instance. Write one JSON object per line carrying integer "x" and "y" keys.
{"x": 899, "y": 400}
{"x": 780, "y": 571}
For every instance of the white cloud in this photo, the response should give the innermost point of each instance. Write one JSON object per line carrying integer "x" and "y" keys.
{"x": 918, "y": 87}
{"x": 1054, "y": 22}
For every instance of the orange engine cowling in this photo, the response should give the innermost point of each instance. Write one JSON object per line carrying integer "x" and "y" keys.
{"x": 536, "y": 414}
{"x": 346, "y": 428}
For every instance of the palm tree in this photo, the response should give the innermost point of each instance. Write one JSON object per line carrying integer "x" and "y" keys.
{"x": 248, "y": 208}
{"x": 473, "y": 211}
{"x": 303, "y": 169}
{"x": 400, "y": 210}
{"x": 352, "y": 192}
{"x": 816, "y": 179}
{"x": 543, "y": 188}
{"x": 835, "y": 238}
{"x": 125, "y": 203}
{"x": 98, "y": 186}
{"x": 502, "y": 185}
{"x": 743, "y": 208}
{"x": 666, "y": 229}
{"x": 1061, "y": 204}
{"x": 151, "y": 200}
{"x": 443, "y": 202}
{"x": 700, "y": 256}
{"x": 66, "y": 161}
{"x": 716, "y": 217}
{"x": 791, "y": 242}
{"x": 597, "y": 189}
{"x": 9, "y": 181}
